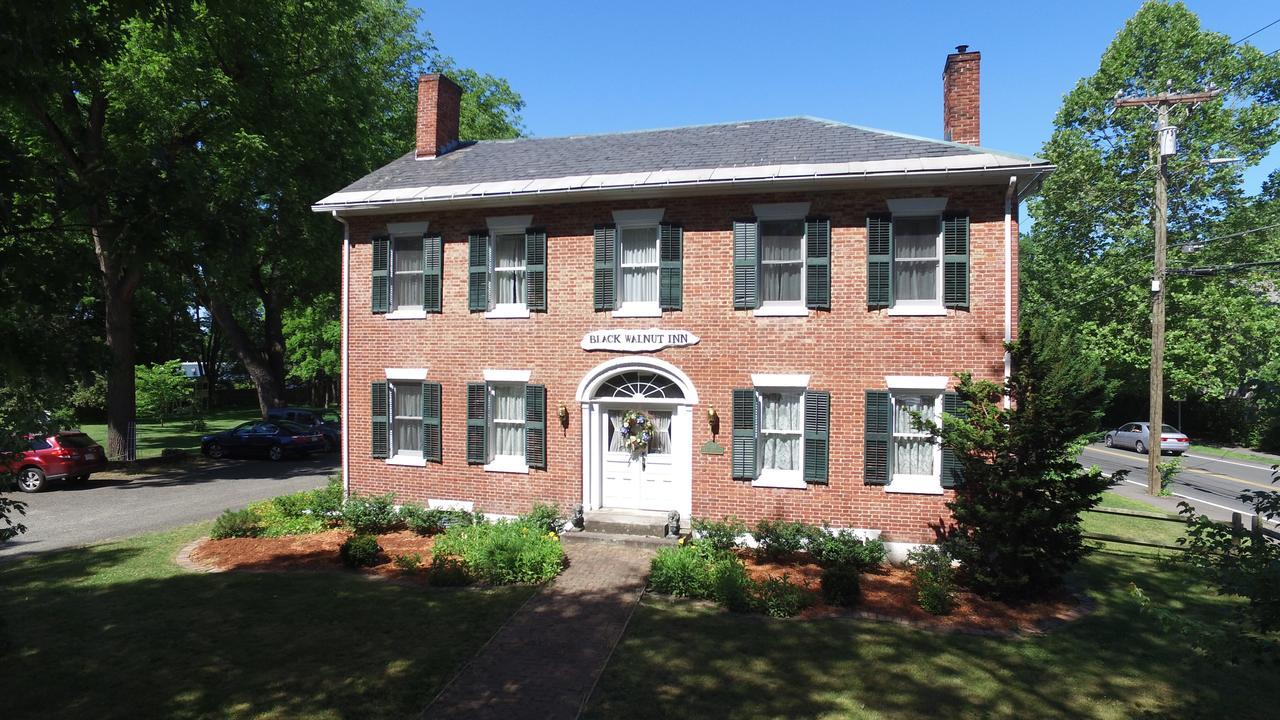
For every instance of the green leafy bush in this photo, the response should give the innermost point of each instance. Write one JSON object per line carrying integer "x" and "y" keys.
{"x": 504, "y": 552}
{"x": 449, "y": 572}
{"x": 722, "y": 534}
{"x": 545, "y": 517}
{"x": 777, "y": 539}
{"x": 933, "y": 578}
{"x": 842, "y": 585}
{"x": 423, "y": 521}
{"x": 326, "y": 501}
{"x": 236, "y": 523}
{"x": 682, "y": 570}
{"x": 361, "y": 551}
{"x": 846, "y": 550}
{"x": 410, "y": 563}
{"x": 371, "y": 513}
{"x": 779, "y": 597}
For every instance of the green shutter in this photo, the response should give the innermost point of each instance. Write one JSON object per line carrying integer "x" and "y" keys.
{"x": 606, "y": 251}
{"x": 671, "y": 270}
{"x": 380, "y": 436}
{"x": 955, "y": 261}
{"x": 745, "y": 424}
{"x": 746, "y": 264}
{"x": 535, "y": 273}
{"x": 432, "y": 271}
{"x": 535, "y": 426}
{"x": 477, "y": 419}
{"x": 879, "y": 261}
{"x": 431, "y": 422}
{"x": 878, "y": 440}
{"x": 478, "y": 271}
{"x": 952, "y": 471}
{"x": 817, "y": 436}
{"x": 380, "y": 299}
{"x": 817, "y": 263}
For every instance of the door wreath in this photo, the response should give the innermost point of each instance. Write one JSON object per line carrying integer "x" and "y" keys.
{"x": 637, "y": 429}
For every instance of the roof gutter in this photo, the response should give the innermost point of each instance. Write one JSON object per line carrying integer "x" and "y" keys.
{"x": 344, "y": 403}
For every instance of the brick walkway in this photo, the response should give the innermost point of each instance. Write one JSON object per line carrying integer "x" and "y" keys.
{"x": 543, "y": 663}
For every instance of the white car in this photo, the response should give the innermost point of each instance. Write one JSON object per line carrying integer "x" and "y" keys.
{"x": 1137, "y": 436}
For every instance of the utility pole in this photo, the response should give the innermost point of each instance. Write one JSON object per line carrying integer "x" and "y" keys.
{"x": 1166, "y": 145}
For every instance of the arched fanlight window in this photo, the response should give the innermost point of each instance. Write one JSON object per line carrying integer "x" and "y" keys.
{"x": 638, "y": 384}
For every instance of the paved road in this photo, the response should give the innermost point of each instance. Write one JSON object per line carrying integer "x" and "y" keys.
{"x": 116, "y": 506}
{"x": 1210, "y": 484}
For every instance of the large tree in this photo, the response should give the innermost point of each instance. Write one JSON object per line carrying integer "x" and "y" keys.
{"x": 1089, "y": 254}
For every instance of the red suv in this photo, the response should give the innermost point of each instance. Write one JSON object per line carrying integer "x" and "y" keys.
{"x": 69, "y": 455}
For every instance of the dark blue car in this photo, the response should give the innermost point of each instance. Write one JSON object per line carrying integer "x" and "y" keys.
{"x": 325, "y": 422}
{"x": 273, "y": 439}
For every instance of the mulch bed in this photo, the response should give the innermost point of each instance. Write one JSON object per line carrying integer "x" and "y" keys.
{"x": 887, "y": 595}
{"x": 310, "y": 552}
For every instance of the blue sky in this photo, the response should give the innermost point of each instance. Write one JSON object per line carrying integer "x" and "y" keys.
{"x": 591, "y": 67}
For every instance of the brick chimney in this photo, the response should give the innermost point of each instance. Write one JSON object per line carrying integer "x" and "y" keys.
{"x": 439, "y": 107}
{"x": 960, "y": 103}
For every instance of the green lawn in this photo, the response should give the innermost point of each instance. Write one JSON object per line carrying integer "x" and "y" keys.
{"x": 1136, "y": 528}
{"x": 686, "y": 660}
{"x": 153, "y": 437}
{"x": 118, "y": 630}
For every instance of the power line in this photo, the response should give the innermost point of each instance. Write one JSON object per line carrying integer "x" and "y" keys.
{"x": 1225, "y": 237}
{"x": 1215, "y": 269}
{"x": 1255, "y": 32}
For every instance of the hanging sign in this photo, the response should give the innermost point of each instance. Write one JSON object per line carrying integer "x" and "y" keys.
{"x": 637, "y": 340}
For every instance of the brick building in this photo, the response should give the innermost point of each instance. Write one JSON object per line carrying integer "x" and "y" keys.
{"x": 722, "y": 319}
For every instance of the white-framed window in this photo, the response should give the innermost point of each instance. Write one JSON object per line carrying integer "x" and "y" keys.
{"x": 916, "y": 455}
{"x": 506, "y": 425}
{"x": 781, "y": 435}
{"x": 507, "y": 277}
{"x": 406, "y": 420}
{"x": 406, "y": 274}
{"x": 782, "y": 263}
{"x": 917, "y": 261}
{"x": 638, "y": 268}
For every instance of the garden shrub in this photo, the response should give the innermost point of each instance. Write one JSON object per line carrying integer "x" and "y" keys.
{"x": 449, "y": 572}
{"x": 731, "y": 586}
{"x": 776, "y": 539}
{"x": 680, "y": 570}
{"x": 842, "y": 585}
{"x": 933, "y": 578}
{"x": 371, "y": 513}
{"x": 326, "y": 502}
{"x": 504, "y": 552}
{"x": 423, "y": 521}
{"x": 778, "y": 597}
{"x": 723, "y": 534}
{"x": 236, "y": 523}
{"x": 846, "y": 550}
{"x": 361, "y": 551}
{"x": 409, "y": 563}
{"x": 544, "y": 517}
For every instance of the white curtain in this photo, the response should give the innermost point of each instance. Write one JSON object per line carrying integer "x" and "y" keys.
{"x": 508, "y": 416}
{"x": 508, "y": 270}
{"x": 781, "y": 426}
{"x": 407, "y": 263}
{"x": 408, "y": 418}
{"x": 615, "y": 433}
{"x": 659, "y": 439}
{"x": 781, "y": 260}
{"x": 916, "y": 240}
{"x": 912, "y": 450}
{"x": 638, "y": 252}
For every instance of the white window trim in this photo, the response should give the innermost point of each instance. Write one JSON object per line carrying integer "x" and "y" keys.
{"x": 768, "y": 477}
{"x": 930, "y": 309}
{"x": 630, "y": 220}
{"x": 508, "y": 376}
{"x": 638, "y": 310}
{"x": 508, "y": 312}
{"x": 506, "y": 225}
{"x": 408, "y": 228}
{"x": 396, "y": 457}
{"x": 916, "y": 208}
{"x": 400, "y": 231}
{"x": 407, "y": 313}
{"x": 392, "y": 374}
{"x": 916, "y": 484}
{"x": 784, "y": 211}
{"x": 643, "y": 217}
{"x": 508, "y": 464}
{"x": 408, "y": 460}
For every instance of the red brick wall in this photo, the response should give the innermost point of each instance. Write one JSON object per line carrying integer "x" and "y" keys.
{"x": 846, "y": 351}
{"x": 960, "y": 98}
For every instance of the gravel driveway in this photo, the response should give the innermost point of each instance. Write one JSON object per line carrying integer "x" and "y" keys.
{"x": 118, "y": 505}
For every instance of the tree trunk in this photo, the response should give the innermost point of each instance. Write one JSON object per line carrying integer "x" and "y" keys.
{"x": 119, "y": 282}
{"x": 272, "y": 331}
{"x": 269, "y": 391}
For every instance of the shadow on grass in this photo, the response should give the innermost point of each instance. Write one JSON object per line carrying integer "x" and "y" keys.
{"x": 688, "y": 661}
{"x": 118, "y": 631}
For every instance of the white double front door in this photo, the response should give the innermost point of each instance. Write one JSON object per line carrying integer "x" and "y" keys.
{"x": 654, "y": 480}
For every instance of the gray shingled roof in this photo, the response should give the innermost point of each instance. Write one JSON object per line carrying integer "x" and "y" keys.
{"x": 755, "y": 143}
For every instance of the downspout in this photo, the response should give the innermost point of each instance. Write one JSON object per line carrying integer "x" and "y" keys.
{"x": 346, "y": 363}
{"x": 1008, "y": 277}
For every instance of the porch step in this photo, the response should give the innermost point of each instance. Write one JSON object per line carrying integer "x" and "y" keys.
{"x": 588, "y": 536}
{"x": 651, "y": 523}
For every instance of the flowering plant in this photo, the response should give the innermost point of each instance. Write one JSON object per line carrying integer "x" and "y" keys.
{"x": 637, "y": 429}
